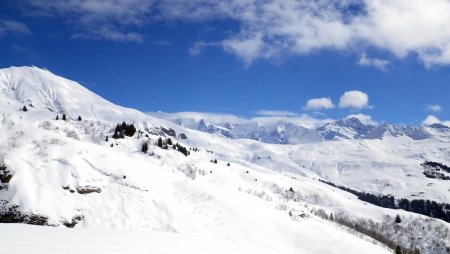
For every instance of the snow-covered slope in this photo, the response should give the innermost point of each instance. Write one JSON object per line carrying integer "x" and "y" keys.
{"x": 67, "y": 173}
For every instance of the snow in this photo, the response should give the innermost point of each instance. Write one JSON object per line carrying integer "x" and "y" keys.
{"x": 17, "y": 239}
{"x": 165, "y": 202}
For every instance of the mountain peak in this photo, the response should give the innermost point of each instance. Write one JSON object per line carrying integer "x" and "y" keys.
{"x": 39, "y": 88}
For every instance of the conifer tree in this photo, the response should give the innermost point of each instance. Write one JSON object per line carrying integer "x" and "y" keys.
{"x": 397, "y": 219}
{"x": 160, "y": 142}
{"x": 79, "y": 118}
{"x": 144, "y": 148}
{"x": 24, "y": 108}
{"x": 57, "y": 117}
{"x": 64, "y": 118}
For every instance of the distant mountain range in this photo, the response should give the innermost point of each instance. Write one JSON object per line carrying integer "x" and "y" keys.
{"x": 291, "y": 132}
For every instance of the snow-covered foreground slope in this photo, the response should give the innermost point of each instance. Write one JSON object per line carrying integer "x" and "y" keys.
{"x": 257, "y": 198}
{"x": 24, "y": 239}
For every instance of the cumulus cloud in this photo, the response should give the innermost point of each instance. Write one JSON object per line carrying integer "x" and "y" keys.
{"x": 431, "y": 120}
{"x": 354, "y": 99}
{"x": 434, "y": 108}
{"x": 319, "y": 104}
{"x": 275, "y": 28}
{"x": 373, "y": 62}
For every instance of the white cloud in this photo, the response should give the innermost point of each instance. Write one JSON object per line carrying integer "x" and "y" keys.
{"x": 434, "y": 108}
{"x": 268, "y": 117}
{"x": 431, "y": 120}
{"x": 265, "y": 112}
{"x": 365, "y": 119}
{"x": 319, "y": 104}
{"x": 214, "y": 118}
{"x": 111, "y": 34}
{"x": 275, "y": 28}
{"x": 373, "y": 62}
{"x": 98, "y": 19}
{"x": 197, "y": 48}
{"x": 14, "y": 27}
{"x": 354, "y": 99}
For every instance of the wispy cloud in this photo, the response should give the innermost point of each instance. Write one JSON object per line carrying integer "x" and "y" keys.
{"x": 265, "y": 112}
{"x": 198, "y": 46}
{"x": 109, "y": 33}
{"x": 98, "y": 19}
{"x": 380, "y": 64}
{"x": 276, "y": 28}
{"x": 434, "y": 108}
{"x": 266, "y": 116}
{"x": 13, "y": 27}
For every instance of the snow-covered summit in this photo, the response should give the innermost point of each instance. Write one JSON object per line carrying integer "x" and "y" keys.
{"x": 39, "y": 88}
{"x": 291, "y": 132}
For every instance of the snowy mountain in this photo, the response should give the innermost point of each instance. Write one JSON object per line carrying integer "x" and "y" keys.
{"x": 164, "y": 187}
{"x": 286, "y": 132}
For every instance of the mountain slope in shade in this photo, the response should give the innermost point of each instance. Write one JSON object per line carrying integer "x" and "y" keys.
{"x": 67, "y": 173}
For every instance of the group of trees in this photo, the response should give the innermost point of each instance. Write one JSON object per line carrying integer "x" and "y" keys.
{"x": 420, "y": 206}
{"x": 25, "y": 109}
{"x": 165, "y": 144}
{"x": 432, "y": 170}
{"x": 123, "y": 130}
{"x": 181, "y": 149}
{"x": 371, "y": 229}
{"x": 64, "y": 117}
{"x": 436, "y": 166}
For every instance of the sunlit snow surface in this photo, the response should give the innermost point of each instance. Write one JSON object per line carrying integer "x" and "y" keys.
{"x": 25, "y": 239}
{"x": 165, "y": 202}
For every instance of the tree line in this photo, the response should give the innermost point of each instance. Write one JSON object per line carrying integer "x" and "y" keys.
{"x": 421, "y": 206}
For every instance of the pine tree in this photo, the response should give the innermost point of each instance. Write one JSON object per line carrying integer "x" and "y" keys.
{"x": 398, "y": 250}
{"x": 24, "y": 108}
{"x": 397, "y": 219}
{"x": 57, "y": 117}
{"x": 215, "y": 161}
{"x": 160, "y": 142}
{"x": 144, "y": 148}
{"x": 64, "y": 118}
{"x": 106, "y": 139}
{"x": 79, "y": 118}
{"x": 228, "y": 164}
{"x": 169, "y": 141}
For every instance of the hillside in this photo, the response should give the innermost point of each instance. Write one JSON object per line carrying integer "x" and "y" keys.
{"x": 235, "y": 193}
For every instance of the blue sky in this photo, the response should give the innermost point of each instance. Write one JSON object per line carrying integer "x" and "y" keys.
{"x": 241, "y": 57}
